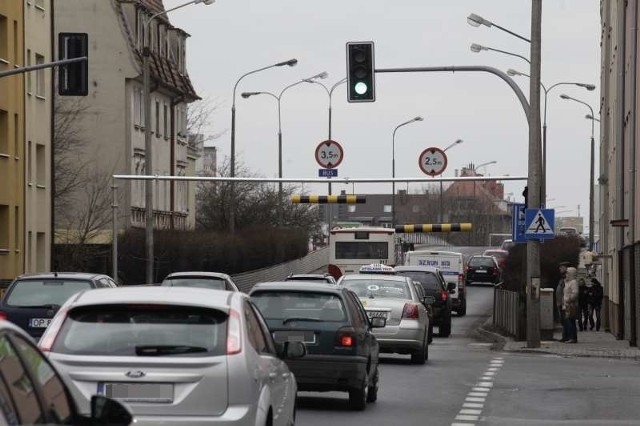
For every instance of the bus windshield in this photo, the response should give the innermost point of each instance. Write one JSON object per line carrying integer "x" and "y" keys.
{"x": 361, "y": 250}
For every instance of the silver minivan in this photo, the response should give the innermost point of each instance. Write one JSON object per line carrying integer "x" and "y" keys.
{"x": 174, "y": 355}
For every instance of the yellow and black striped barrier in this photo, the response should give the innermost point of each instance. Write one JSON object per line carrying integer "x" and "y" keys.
{"x": 434, "y": 227}
{"x": 329, "y": 199}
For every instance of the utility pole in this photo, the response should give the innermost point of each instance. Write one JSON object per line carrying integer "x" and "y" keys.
{"x": 534, "y": 181}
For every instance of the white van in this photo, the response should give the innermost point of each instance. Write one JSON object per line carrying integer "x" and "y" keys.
{"x": 451, "y": 264}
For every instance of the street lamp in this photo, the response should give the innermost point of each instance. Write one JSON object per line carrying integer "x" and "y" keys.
{"x": 485, "y": 164}
{"x": 278, "y": 99}
{"x": 148, "y": 145}
{"x": 393, "y": 167}
{"x": 591, "y": 169}
{"x": 591, "y": 117}
{"x": 477, "y": 48}
{"x": 457, "y": 142}
{"x": 475, "y": 21}
{"x": 589, "y": 87}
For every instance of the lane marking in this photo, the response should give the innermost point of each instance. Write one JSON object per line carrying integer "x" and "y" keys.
{"x": 472, "y": 405}
{"x": 480, "y": 394}
{"x": 474, "y": 399}
{"x": 469, "y": 411}
{"x": 474, "y": 402}
{"x": 467, "y": 417}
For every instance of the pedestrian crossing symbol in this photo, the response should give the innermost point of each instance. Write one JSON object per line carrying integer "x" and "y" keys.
{"x": 540, "y": 224}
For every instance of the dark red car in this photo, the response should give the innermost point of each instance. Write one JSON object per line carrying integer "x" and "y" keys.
{"x": 500, "y": 255}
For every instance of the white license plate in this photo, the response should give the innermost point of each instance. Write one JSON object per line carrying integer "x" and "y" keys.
{"x": 137, "y": 392}
{"x": 480, "y": 271}
{"x": 39, "y": 322}
{"x": 377, "y": 314}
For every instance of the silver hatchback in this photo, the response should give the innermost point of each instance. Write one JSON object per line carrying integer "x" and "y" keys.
{"x": 174, "y": 355}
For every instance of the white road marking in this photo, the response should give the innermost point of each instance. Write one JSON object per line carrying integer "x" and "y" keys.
{"x": 485, "y": 384}
{"x": 466, "y": 417}
{"x": 480, "y": 394}
{"x": 472, "y": 405}
{"x": 474, "y": 399}
{"x": 480, "y": 389}
{"x": 490, "y": 373}
{"x": 468, "y": 411}
{"x": 493, "y": 369}
{"x": 474, "y": 402}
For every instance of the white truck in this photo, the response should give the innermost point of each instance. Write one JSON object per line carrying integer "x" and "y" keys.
{"x": 451, "y": 265}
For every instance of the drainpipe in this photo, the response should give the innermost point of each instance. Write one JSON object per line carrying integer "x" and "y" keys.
{"x": 632, "y": 169}
{"x": 619, "y": 144}
{"x": 172, "y": 167}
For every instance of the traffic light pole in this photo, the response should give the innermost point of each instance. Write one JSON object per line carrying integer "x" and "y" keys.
{"x": 22, "y": 70}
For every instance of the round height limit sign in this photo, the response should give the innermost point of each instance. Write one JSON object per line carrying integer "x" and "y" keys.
{"x": 329, "y": 154}
{"x": 433, "y": 161}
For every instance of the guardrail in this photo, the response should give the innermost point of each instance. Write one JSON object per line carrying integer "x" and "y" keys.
{"x": 507, "y": 312}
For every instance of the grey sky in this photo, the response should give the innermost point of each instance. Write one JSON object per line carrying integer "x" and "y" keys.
{"x": 232, "y": 37}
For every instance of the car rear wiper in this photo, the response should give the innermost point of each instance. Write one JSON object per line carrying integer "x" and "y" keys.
{"x": 51, "y": 306}
{"x": 286, "y": 320}
{"x": 159, "y": 350}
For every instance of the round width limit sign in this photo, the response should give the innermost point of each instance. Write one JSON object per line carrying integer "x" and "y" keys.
{"x": 432, "y": 161}
{"x": 329, "y": 154}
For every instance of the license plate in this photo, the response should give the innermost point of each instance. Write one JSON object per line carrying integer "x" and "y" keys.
{"x": 377, "y": 314}
{"x": 137, "y": 392}
{"x": 480, "y": 271}
{"x": 39, "y": 322}
{"x": 282, "y": 336}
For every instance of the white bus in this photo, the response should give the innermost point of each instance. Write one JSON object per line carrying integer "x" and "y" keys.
{"x": 350, "y": 248}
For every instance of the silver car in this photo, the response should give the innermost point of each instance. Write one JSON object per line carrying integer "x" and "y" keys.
{"x": 174, "y": 355}
{"x": 394, "y": 297}
{"x": 200, "y": 279}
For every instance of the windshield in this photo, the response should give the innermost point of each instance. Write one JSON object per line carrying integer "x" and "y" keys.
{"x": 428, "y": 280}
{"x": 284, "y": 305}
{"x": 361, "y": 250}
{"x": 143, "y": 330}
{"x": 44, "y": 292}
{"x": 481, "y": 261}
{"x": 196, "y": 282}
{"x": 375, "y": 288}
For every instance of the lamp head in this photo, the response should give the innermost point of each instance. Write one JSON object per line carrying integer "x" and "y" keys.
{"x": 476, "y": 47}
{"x": 322, "y": 75}
{"x": 589, "y": 87}
{"x": 563, "y": 96}
{"x": 290, "y": 62}
{"x": 206, "y": 2}
{"x": 475, "y": 20}
{"x": 418, "y": 118}
{"x": 249, "y": 94}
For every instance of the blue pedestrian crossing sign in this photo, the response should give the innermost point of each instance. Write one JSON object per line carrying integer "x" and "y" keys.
{"x": 540, "y": 224}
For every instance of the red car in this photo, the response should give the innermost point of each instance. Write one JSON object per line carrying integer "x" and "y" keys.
{"x": 500, "y": 256}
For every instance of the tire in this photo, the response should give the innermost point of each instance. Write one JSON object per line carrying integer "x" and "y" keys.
{"x": 358, "y": 397}
{"x": 445, "y": 328}
{"x": 462, "y": 310}
{"x": 372, "y": 393}
{"x": 430, "y": 338}
{"x": 420, "y": 356}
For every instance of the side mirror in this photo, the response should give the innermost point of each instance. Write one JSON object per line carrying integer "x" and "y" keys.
{"x": 378, "y": 322}
{"x": 429, "y": 300}
{"x": 291, "y": 350}
{"x": 451, "y": 288}
{"x": 106, "y": 411}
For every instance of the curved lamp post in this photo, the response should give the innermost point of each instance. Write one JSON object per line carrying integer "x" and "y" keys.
{"x": 485, "y": 164}
{"x": 591, "y": 170}
{"x": 393, "y": 166}
{"x": 477, "y": 48}
{"x": 546, "y": 90}
{"x": 476, "y": 20}
{"x": 148, "y": 145}
{"x": 456, "y": 142}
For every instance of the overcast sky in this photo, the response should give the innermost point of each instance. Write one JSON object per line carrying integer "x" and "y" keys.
{"x": 232, "y": 37}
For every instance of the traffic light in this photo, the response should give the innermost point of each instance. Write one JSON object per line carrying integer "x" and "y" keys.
{"x": 73, "y": 79}
{"x": 525, "y": 194}
{"x": 361, "y": 72}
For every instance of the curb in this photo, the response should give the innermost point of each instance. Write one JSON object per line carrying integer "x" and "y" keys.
{"x": 486, "y": 333}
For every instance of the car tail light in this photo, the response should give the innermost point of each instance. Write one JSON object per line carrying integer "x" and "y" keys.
{"x": 51, "y": 333}
{"x": 3, "y": 315}
{"x": 460, "y": 282}
{"x": 444, "y": 295}
{"x": 410, "y": 311}
{"x": 234, "y": 337}
{"x": 346, "y": 337}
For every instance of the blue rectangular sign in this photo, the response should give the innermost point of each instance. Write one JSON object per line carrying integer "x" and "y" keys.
{"x": 518, "y": 223}
{"x": 327, "y": 172}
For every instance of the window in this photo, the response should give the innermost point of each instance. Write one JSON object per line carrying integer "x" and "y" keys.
{"x": 165, "y": 121}
{"x": 4, "y": 40}
{"x": 4, "y": 132}
{"x": 35, "y": 292}
{"x": 41, "y": 248}
{"x": 4, "y": 227}
{"x": 53, "y": 392}
{"x": 351, "y": 208}
{"x": 158, "y": 119}
{"x": 40, "y": 88}
{"x": 16, "y": 135}
{"x": 256, "y": 337}
{"x": 40, "y": 166}
{"x": 137, "y": 109}
{"x": 16, "y": 228}
{"x": 28, "y": 74}
{"x": 362, "y": 250}
{"x": 15, "y": 42}
{"x": 388, "y": 208}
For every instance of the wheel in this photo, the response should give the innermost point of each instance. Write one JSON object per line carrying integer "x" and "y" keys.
{"x": 372, "y": 395}
{"x": 462, "y": 310}
{"x": 430, "y": 339}
{"x": 445, "y": 329}
{"x": 358, "y": 397}
{"x": 421, "y": 355}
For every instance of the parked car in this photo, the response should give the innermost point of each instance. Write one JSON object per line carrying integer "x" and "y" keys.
{"x": 433, "y": 284}
{"x": 500, "y": 255}
{"x": 175, "y": 355}
{"x": 210, "y": 280}
{"x": 321, "y": 278}
{"x": 482, "y": 269}
{"x": 394, "y": 298}
{"x": 33, "y": 392}
{"x": 32, "y": 300}
{"x": 342, "y": 351}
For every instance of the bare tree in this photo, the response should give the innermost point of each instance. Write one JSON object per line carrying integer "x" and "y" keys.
{"x": 200, "y": 120}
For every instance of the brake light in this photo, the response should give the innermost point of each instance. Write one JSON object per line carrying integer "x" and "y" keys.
{"x": 51, "y": 333}
{"x": 410, "y": 311}
{"x": 346, "y": 341}
{"x": 345, "y": 337}
{"x": 444, "y": 295}
{"x": 234, "y": 337}
{"x": 3, "y": 315}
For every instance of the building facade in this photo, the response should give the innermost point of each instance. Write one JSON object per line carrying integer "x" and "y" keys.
{"x": 111, "y": 121}
{"x": 12, "y": 158}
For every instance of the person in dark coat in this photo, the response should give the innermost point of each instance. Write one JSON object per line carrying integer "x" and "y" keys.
{"x": 583, "y": 305}
{"x": 595, "y": 295}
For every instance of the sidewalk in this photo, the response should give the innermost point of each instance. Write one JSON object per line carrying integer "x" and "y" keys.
{"x": 599, "y": 344}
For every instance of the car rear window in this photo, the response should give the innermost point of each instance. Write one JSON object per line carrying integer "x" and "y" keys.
{"x": 283, "y": 305}
{"x": 143, "y": 330}
{"x": 376, "y": 288}
{"x": 428, "y": 280}
{"x": 496, "y": 254}
{"x": 196, "y": 282}
{"x": 41, "y": 292}
{"x": 481, "y": 261}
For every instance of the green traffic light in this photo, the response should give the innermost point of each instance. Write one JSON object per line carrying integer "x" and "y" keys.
{"x": 361, "y": 88}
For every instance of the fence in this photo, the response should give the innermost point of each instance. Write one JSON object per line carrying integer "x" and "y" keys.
{"x": 507, "y": 312}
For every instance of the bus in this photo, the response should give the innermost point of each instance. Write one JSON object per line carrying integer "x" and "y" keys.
{"x": 350, "y": 248}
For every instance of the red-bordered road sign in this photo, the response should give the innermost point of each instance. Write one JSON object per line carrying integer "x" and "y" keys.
{"x": 329, "y": 154}
{"x": 432, "y": 161}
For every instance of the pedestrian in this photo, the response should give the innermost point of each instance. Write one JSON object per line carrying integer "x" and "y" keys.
{"x": 559, "y": 294}
{"x": 595, "y": 302}
{"x": 583, "y": 305}
{"x": 570, "y": 305}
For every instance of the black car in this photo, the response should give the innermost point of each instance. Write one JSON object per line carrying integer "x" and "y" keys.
{"x": 321, "y": 278}
{"x": 482, "y": 269}
{"x": 342, "y": 352}
{"x": 32, "y": 300}
{"x": 433, "y": 284}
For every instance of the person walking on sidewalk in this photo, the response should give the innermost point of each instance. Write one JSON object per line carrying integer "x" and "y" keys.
{"x": 583, "y": 305}
{"x": 570, "y": 305}
{"x": 560, "y": 295}
{"x": 595, "y": 302}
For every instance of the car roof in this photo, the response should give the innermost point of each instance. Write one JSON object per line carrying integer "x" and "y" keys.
{"x": 448, "y": 253}
{"x": 386, "y": 277}
{"x": 184, "y": 296}
{"x": 318, "y": 276}
{"x": 497, "y": 251}
{"x": 62, "y": 275}
{"x": 417, "y": 268}
{"x": 324, "y": 287}
{"x": 198, "y": 274}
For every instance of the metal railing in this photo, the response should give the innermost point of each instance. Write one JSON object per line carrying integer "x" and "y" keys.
{"x": 507, "y": 311}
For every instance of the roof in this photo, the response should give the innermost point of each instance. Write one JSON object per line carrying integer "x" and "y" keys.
{"x": 307, "y": 286}
{"x": 184, "y": 296}
{"x": 203, "y": 274}
{"x": 62, "y": 275}
{"x": 364, "y": 229}
{"x": 385, "y": 277}
{"x": 416, "y": 268}
{"x": 319, "y": 276}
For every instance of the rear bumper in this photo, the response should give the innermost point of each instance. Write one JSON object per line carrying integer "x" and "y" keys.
{"x": 400, "y": 339}
{"x": 323, "y": 373}
{"x": 243, "y": 415}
